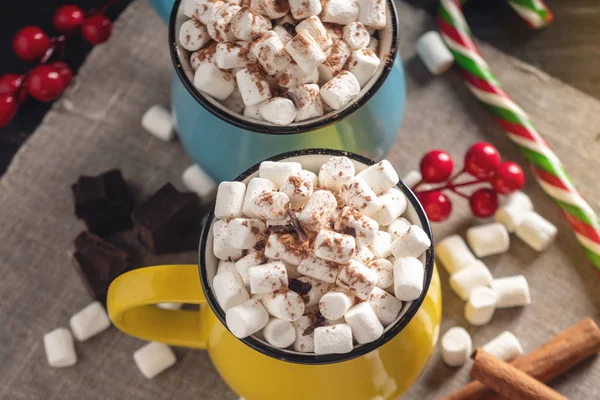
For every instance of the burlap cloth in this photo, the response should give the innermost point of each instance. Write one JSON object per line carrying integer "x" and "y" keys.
{"x": 96, "y": 127}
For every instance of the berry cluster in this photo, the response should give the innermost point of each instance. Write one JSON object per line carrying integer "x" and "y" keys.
{"x": 47, "y": 80}
{"x": 482, "y": 161}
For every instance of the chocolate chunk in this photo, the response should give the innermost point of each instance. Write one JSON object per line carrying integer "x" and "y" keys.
{"x": 349, "y": 231}
{"x": 318, "y": 322}
{"x": 288, "y": 228}
{"x": 299, "y": 287}
{"x": 260, "y": 245}
{"x": 296, "y": 224}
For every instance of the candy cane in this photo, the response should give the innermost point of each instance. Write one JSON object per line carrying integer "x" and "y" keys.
{"x": 534, "y": 12}
{"x": 480, "y": 80}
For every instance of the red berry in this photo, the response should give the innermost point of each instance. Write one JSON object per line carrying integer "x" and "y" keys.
{"x": 484, "y": 202}
{"x": 68, "y": 18}
{"x": 509, "y": 178}
{"x": 437, "y": 205}
{"x": 64, "y": 71}
{"x": 436, "y": 166}
{"x": 8, "y": 108}
{"x": 96, "y": 29}
{"x": 44, "y": 83}
{"x": 9, "y": 83}
{"x": 31, "y": 43}
{"x": 482, "y": 160}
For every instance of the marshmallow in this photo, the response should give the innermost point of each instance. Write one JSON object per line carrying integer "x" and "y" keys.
{"x": 340, "y": 12}
{"x": 154, "y": 358}
{"x": 315, "y": 28}
{"x": 362, "y": 64}
{"x": 516, "y": 199}
{"x": 356, "y": 193}
{"x": 514, "y": 208}
{"x": 316, "y": 292}
{"x": 374, "y": 47}
{"x": 456, "y": 346}
{"x": 412, "y": 177}
{"x": 372, "y": 13}
{"x": 454, "y": 253}
{"x": 60, "y": 351}
{"x": 301, "y": 9}
{"x": 380, "y": 177}
{"x": 335, "y": 62}
{"x": 193, "y": 35}
{"x": 334, "y": 339}
{"x": 479, "y": 310}
{"x": 385, "y": 272}
{"x": 221, "y": 247}
{"x": 386, "y": 306}
{"x": 203, "y": 56}
{"x": 245, "y": 233}
{"x": 467, "y": 279}
{"x": 412, "y": 244}
{"x": 336, "y": 172}
{"x": 277, "y": 172}
{"x": 214, "y": 82}
{"x": 229, "y": 290}
{"x": 356, "y": 36}
{"x": 253, "y": 85}
{"x": 247, "y": 318}
{"x": 169, "y": 306}
{"x": 433, "y": 52}
{"x": 333, "y": 246}
{"x": 393, "y": 204}
{"x": 305, "y": 51}
{"x": 89, "y": 322}
{"x": 318, "y": 210}
{"x": 268, "y": 277}
{"x": 505, "y": 346}
{"x": 357, "y": 278}
{"x": 205, "y": 10}
{"x": 278, "y": 110}
{"x": 234, "y": 102}
{"x": 270, "y": 53}
{"x": 363, "y": 228}
{"x": 255, "y": 187}
{"x": 189, "y": 7}
{"x": 284, "y": 32}
{"x": 247, "y": 25}
{"x": 231, "y": 55}
{"x": 198, "y": 181}
{"x": 253, "y": 112}
{"x": 398, "y": 228}
{"x": 225, "y": 266}
{"x": 230, "y": 199}
{"x": 335, "y": 31}
{"x": 334, "y": 304}
{"x": 381, "y": 246}
{"x": 271, "y": 205}
{"x": 158, "y": 122}
{"x": 219, "y": 27}
{"x": 365, "y": 325}
{"x": 363, "y": 255}
{"x": 292, "y": 75}
{"x": 318, "y": 268}
{"x": 488, "y": 239}
{"x": 511, "y": 291}
{"x": 536, "y": 231}
{"x": 340, "y": 90}
{"x": 298, "y": 187}
{"x": 271, "y": 8}
{"x": 409, "y": 274}
{"x": 279, "y": 333}
{"x": 284, "y": 304}
{"x": 286, "y": 247}
{"x": 307, "y": 100}
{"x": 304, "y": 343}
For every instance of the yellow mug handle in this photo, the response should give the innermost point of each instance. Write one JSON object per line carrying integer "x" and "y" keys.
{"x": 131, "y": 306}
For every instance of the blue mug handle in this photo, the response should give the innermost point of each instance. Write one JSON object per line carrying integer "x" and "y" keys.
{"x": 163, "y": 8}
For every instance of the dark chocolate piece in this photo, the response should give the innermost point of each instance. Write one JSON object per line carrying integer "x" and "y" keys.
{"x": 297, "y": 226}
{"x": 318, "y": 322}
{"x": 299, "y": 287}
{"x": 289, "y": 228}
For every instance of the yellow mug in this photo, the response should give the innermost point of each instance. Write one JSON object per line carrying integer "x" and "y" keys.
{"x": 383, "y": 369}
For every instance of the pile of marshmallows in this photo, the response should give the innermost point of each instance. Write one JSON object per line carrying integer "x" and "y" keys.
{"x": 336, "y": 239}
{"x": 279, "y": 60}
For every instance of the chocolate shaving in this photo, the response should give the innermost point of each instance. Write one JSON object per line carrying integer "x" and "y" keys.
{"x": 261, "y": 244}
{"x": 299, "y": 287}
{"x": 288, "y": 228}
{"x": 294, "y": 99}
{"x": 296, "y": 223}
{"x": 349, "y": 231}
{"x": 319, "y": 321}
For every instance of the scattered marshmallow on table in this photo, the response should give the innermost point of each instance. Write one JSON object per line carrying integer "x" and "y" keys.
{"x": 154, "y": 358}
{"x": 270, "y": 8}
{"x": 335, "y": 172}
{"x": 298, "y": 187}
{"x": 219, "y": 27}
{"x": 314, "y": 27}
{"x": 244, "y": 233}
{"x": 59, "y": 347}
{"x": 454, "y": 253}
{"x": 372, "y": 13}
{"x": 278, "y": 110}
{"x": 230, "y": 200}
{"x": 247, "y": 25}
{"x": 480, "y": 307}
{"x": 511, "y": 291}
{"x": 279, "y": 333}
{"x": 340, "y": 12}
{"x": 334, "y": 339}
{"x": 409, "y": 274}
{"x": 363, "y": 64}
{"x": 357, "y": 278}
{"x": 536, "y": 231}
{"x": 307, "y": 100}
{"x": 365, "y": 325}
{"x": 489, "y": 239}
{"x": 305, "y": 51}
{"x": 356, "y": 36}
{"x": 456, "y": 346}
{"x": 340, "y": 90}
{"x": 254, "y": 188}
{"x": 412, "y": 178}
{"x": 393, "y": 204}
{"x": 304, "y": 343}
{"x": 386, "y": 306}
{"x": 398, "y": 228}
{"x": 198, "y": 181}
{"x": 301, "y": 9}
{"x": 505, "y": 346}
{"x": 433, "y": 52}
{"x": 193, "y": 35}
{"x": 284, "y": 304}
{"x": 221, "y": 247}
{"x": 467, "y": 279}
{"x": 229, "y": 290}
{"x": 285, "y": 247}
{"x": 253, "y": 85}
{"x": 247, "y": 318}
{"x": 412, "y": 244}
{"x": 318, "y": 268}
{"x": 517, "y": 199}
{"x": 335, "y": 303}
{"x": 385, "y": 272}
{"x": 159, "y": 123}
{"x": 268, "y": 277}
{"x": 271, "y": 205}
{"x": 336, "y": 60}
{"x": 511, "y": 213}
{"x": 334, "y": 246}
{"x": 318, "y": 210}
{"x": 89, "y": 321}
{"x": 214, "y": 82}
{"x": 365, "y": 228}
{"x": 270, "y": 53}
{"x": 358, "y": 194}
{"x": 277, "y": 172}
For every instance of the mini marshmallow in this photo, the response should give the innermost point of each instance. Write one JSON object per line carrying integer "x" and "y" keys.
{"x": 221, "y": 247}
{"x": 270, "y": 53}
{"x": 254, "y": 188}
{"x": 279, "y": 333}
{"x": 198, "y": 181}
{"x": 230, "y": 199}
{"x": 271, "y": 205}
{"x": 363, "y": 255}
{"x": 357, "y": 278}
{"x": 381, "y": 246}
{"x": 229, "y": 290}
{"x": 225, "y": 266}
{"x": 298, "y": 187}
{"x": 271, "y": 8}
{"x": 412, "y": 178}
{"x": 398, "y": 228}
{"x": 158, "y": 122}
{"x": 268, "y": 277}
{"x": 536, "y": 231}
{"x": 193, "y": 35}
{"x": 318, "y": 210}
{"x": 219, "y": 27}
{"x": 340, "y": 12}
{"x": 374, "y": 47}
{"x": 253, "y": 112}
{"x": 231, "y": 55}
{"x": 60, "y": 351}
{"x": 304, "y": 343}
{"x": 479, "y": 310}
{"x": 340, "y": 90}
{"x": 511, "y": 291}
{"x": 433, "y": 52}
{"x": 278, "y": 110}
{"x": 292, "y": 75}
{"x": 189, "y": 7}
{"x": 408, "y": 278}
{"x": 170, "y": 306}
{"x": 336, "y": 172}
{"x": 154, "y": 358}
{"x": 205, "y": 10}
{"x": 284, "y": 304}
{"x": 305, "y": 51}
{"x": 412, "y": 244}
{"x": 333, "y": 246}
{"x": 334, "y": 304}
{"x": 385, "y": 272}
{"x": 517, "y": 199}
{"x": 301, "y": 9}
{"x": 89, "y": 322}
{"x": 386, "y": 306}
{"x": 307, "y": 100}
{"x": 286, "y": 247}
{"x": 334, "y": 339}
{"x": 365, "y": 325}
{"x": 234, "y": 102}
{"x": 277, "y": 172}
{"x": 356, "y": 36}
{"x": 203, "y": 56}
{"x": 372, "y": 13}
{"x": 284, "y": 32}
{"x": 249, "y": 260}
{"x": 380, "y": 177}
{"x": 318, "y": 268}
{"x": 248, "y": 26}
{"x": 454, "y": 253}
{"x": 456, "y": 346}
{"x": 393, "y": 204}
{"x": 363, "y": 64}
{"x": 467, "y": 279}
{"x": 245, "y": 233}
{"x": 335, "y": 62}
{"x": 515, "y": 207}
{"x": 505, "y": 346}
{"x": 317, "y": 31}
{"x": 247, "y": 318}
{"x": 364, "y": 229}
{"x": 489, "y": 239}
{"x": 316, "y": 292}
{"x": 356, "y": 193}
{"x": 214, "y": 82}
{"x": 253, "y": 85}
{"x": 335, "y": 31}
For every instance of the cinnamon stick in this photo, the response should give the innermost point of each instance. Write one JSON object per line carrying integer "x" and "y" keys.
{"x": 509, "y": 381}
{"x": 552, "y": 359}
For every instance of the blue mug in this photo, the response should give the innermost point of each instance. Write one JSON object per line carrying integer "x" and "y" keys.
{"x": 224, "y": 143}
